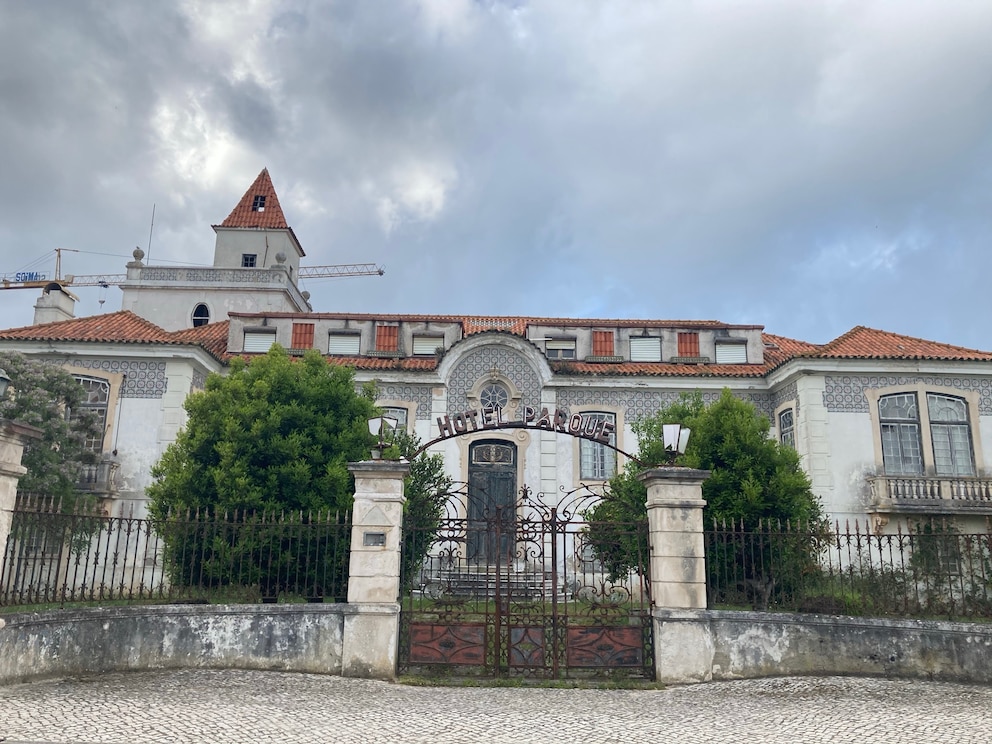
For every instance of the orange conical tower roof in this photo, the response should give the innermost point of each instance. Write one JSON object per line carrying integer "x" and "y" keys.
{"x": 258, "y": 208}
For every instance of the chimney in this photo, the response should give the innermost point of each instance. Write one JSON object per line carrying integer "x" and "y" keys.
{"x": 55, "y": 303}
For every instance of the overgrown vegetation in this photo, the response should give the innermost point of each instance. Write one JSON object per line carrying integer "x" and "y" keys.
{"x": 753, "y": 480}
{"x": 49, "y": 398}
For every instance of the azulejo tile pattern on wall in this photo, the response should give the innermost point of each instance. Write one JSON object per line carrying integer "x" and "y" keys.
{"x": 478, "y": 364}
{"x": 846, "y": 393}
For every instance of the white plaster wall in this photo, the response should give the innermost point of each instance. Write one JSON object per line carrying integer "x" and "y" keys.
{"x": 985, "y": 433}
{"x": 852, "y": 457}
{"x": 137, "y": 446}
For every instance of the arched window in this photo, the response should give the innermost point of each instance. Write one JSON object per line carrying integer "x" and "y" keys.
{"x": 201, "y": 315}
{"x": 899, "y": 418}
{"x": 95, "y": 399}
{"x": 951, "y": 434}
{"x": 787, "y": 428}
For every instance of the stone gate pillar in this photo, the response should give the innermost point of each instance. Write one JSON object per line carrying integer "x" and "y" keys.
{"x": 13, "y": 437}
{"x": 675, "y": 522}
{"x": 371, "y": 626}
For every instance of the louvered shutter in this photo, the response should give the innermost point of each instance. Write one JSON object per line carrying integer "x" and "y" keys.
{"x": 258, "y": 341}
{"x": 645, "y": 349}
{"x": 731, "y": 353}
{"x": 344, "y": 344}
{"x": 425, "y": 345}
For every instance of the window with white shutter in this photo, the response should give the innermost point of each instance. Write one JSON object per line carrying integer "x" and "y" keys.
{"x": 344, "y": 344}
{"x": 731, "y": 353}
{"x": 259, "y": 340}
{"x": 645, "y": 349}
{"x": 560, "y": 348}
{"x": 427, "y": 345}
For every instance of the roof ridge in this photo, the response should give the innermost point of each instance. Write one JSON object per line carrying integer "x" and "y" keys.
{"x": 259, "y": 207}
{"x": 893, "y": 335}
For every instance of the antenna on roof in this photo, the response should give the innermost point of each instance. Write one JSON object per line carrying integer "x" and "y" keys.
{"x": 151, "y": 229}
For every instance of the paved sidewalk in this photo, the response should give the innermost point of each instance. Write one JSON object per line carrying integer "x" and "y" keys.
{"x": 241, "y": 706}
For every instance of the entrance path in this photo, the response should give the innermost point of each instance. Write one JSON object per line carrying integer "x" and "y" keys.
{"x": 247, "y": 706}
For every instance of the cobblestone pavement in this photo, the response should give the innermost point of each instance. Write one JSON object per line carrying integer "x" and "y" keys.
{"x": 242, "y": 706}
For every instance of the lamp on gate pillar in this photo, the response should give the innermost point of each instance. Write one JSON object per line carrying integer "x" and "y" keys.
{"x": 379, "y": 427}
{"x": 4, "y": 384}
{"x": 676, "y": 438}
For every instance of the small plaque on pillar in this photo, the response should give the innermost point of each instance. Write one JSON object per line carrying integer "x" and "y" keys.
{"x": 374, "y": 540}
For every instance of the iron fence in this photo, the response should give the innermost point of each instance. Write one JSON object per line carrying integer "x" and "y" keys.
{"x": 53, "y": 557}
{"x": 922, "y": 569}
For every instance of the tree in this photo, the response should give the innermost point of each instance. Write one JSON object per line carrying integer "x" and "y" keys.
{"x": 48, "y": 397}
{"x": 427, "y": 490}
{"x": 754, "y": 478}
{"x": 275, "y": 436}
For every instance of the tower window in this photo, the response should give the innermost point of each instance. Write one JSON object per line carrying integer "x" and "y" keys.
{"x": 258, "y": 205}
{"x": 201, "y": 315}
{"x": 248, "y": 260}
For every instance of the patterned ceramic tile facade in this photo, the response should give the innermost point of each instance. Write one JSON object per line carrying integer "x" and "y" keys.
{"x": 638, "y": 404}
{"x": 477, "y": 364}
{"x": 785, "y": 394}
{"x": 144, "y": 379}
{"x": 846, "y": 394}
{"x": 419, "y": 394}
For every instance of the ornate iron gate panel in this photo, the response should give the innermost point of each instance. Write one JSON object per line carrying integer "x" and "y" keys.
{"x": 518, "y": 587}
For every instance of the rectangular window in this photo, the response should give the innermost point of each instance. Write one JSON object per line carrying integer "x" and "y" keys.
{"x": 248, "y": 260}
{"x": 400, "y": 414}
{"x": 427, "y": 345}
{"x": 596, "y": 461}
{"x": 259, "y": 341}
{"x": 645, "y": 349}
{"x": 302, "y": 336}
{"x": 731, "y": 353}
{"x": 387, "y": 338}
{"x": 602, "y": 344}
{"x": 258, "y": 203}
{"x": 688, "y": 344}
{"x": 787, "y": 428}
{"x": 560, "y": 348}
{"x": 344, "y": 344}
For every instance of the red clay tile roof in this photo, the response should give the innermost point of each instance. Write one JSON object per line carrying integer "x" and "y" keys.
{"x": 123, "y": 327}
{"x": 269, "y": 216}
{"x": 212, "y": 337}
{"x": 868, "y": 343}
{"x": 858, "y": 343}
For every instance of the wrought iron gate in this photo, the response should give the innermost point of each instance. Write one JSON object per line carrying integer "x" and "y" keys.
{"x": 518, "y": 587}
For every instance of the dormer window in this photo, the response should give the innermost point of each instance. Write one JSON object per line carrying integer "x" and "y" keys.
{"x": 560, "y": 348}
{"x": 258, "y": 205}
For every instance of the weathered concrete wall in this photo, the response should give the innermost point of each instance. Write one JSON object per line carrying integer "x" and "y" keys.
{"x": 300, "y": 638}
{"x": 704, "y": 645}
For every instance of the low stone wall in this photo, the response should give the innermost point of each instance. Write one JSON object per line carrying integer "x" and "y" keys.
{"x": 704, "y": 645}
{"x": 300, "y": 638}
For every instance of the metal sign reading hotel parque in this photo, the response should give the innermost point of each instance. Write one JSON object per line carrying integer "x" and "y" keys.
{"x": 559, "y": 420}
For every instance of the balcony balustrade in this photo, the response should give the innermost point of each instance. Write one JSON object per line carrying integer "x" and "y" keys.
{"x": 930, "y": 494}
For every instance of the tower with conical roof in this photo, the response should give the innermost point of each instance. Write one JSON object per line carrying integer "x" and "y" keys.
{"x": 255, "y": 269}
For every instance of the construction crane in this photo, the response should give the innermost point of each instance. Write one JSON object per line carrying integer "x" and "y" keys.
{"x": 40, "y": 279}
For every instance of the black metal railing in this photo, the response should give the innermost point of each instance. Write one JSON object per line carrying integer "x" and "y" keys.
{"x": 53, "y": 557}
{"x": 923, "y": 569}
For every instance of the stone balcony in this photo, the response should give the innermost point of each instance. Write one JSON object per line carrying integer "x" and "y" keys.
{"x": 100, "y": 478}
{"x": 891, "y": 494}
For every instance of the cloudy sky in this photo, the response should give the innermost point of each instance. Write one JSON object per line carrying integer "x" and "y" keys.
{"x": 808, "y": 166}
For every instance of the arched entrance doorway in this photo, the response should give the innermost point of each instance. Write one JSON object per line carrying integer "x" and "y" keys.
{"x": 492, "y": 486}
